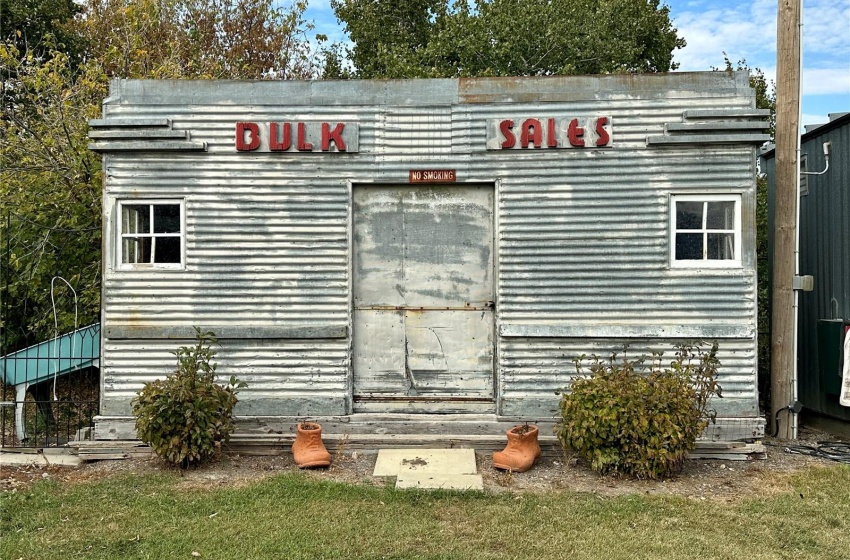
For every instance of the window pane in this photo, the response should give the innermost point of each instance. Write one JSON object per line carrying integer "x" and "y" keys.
{"x": 166, "y": 218}
{"x": 136, "y": 250}
{"x": 168, "y": 250}
{"x": 720, "y": 215}
{"x": 721, "y": 246}
{"x": 688, "y": 246}
{"x": 128, "y": 251}
{"x": 135, "y": 218}
{"x": 689, "y": 215}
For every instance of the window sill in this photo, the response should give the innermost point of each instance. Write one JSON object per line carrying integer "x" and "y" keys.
{"x": 731, "y": 270}
{"x": 149, "y": 268}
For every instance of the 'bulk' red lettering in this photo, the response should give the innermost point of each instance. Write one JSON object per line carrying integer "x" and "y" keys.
{"x": 253, "y": 131}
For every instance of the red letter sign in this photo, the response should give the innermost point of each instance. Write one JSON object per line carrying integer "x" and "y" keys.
{"x": 604, "y": 138}
{"x": 527, "y": 137}
{"x": 510, "y": 140}
{"x": 254, "y": 130}
{"x": 282, "y": 145}
{"x": 551, "y": 137}
{"x": 575, "y": 133}
{"x": 303, "y": 145}
{"x": 334, "y": 136}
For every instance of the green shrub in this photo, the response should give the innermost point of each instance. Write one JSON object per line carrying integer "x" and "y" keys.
{"x": 186, "y": 416}
{"x": 637, "y": 418}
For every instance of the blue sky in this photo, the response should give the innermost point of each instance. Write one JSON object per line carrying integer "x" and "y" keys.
{"x": 744, "y": 30}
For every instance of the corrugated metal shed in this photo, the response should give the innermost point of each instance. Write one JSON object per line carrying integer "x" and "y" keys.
{"x": 825, "y": 255}
{"x": 581, "y": 237}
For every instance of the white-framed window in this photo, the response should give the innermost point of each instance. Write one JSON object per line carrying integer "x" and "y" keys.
{"x": 151, "y": 234}
{"x": 705, "y": 231}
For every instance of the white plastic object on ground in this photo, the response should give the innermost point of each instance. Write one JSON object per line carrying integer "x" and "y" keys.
{"x": 845, "y": 377}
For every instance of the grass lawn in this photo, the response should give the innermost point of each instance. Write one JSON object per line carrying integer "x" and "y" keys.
{"x": 292, "y": 517}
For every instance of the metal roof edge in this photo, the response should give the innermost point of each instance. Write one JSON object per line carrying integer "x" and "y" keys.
{"x": 826, "y": 127}
{"x": 430, "y": 91}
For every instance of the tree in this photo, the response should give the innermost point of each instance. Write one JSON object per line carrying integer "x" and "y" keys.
{"x": 389, "y": 37}
{"x": 211, "y": 39}
{"x": 430, "y": 38}
{"x": 765, "y": 91}
{"x": 55, "y": 74}
{"x": 38, "y": 26}
{"x": 50, "y": 188}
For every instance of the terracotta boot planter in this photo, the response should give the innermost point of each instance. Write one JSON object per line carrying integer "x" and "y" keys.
{"x": 308, "y": 449}
{"x": 522, "y": 450}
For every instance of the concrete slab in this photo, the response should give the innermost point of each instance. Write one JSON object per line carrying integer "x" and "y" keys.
{"x": 436, "y": 481}
{"x": 394, "y": 462}
{"x": 46, "y": 458}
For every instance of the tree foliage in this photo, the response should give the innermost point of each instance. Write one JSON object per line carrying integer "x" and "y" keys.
{"x": 765, "y": 91}
{"x": 210, "y": 39}
{"x": 38, "y": 26}
{"x": 50, "y": 187}
{"x": 433, "y": 38}
{"x": 56, "y": 62}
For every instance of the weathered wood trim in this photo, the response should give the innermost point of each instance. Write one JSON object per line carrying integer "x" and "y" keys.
{"x": 128, "y": 123}
{"x": 300, "y": 405}
{"x": 147, "y": 146}
{"x": 738, "y": 415}
{"x": 143, "y": 134}
{"x": 726, "y": 113}
{"x": 715, "y": 126}
{"x": 374, "y": 406}
{"x": 339, "y": 434}
{"x": 114, "y": 428}
{"x": 627, "y": 331}
{"x": 708, "y": 139}
{"x": 255, "y": 444}
{"x": 513, "y": 89}
{"x": 296, "y": 93}
{"x": 224, "y": 332}
{"x": 293, "y": 405}
{"x": 734, "y": 429}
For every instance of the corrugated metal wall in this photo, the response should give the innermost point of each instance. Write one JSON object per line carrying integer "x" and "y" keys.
{"x": 534, "y": 369}
{"x": 310, "y": 373}
{"x": 582, "y": 242}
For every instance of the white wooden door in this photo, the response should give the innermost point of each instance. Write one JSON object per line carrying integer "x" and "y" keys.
{"x": 423, "y": 299}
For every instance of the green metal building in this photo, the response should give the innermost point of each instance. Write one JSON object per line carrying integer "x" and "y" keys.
{"x": 824, "y": 312}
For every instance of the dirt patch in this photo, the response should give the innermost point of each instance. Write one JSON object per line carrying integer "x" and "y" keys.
{"x": 726, "y": 481}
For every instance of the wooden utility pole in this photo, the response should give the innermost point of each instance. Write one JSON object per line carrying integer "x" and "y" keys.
{"x": 785, "y": 222}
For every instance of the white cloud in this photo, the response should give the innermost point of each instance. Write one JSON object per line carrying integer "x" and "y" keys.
{"x": 748, "y": 31}
{"x": 826, "y": 81}
{"x": 743, "y": 31}
{"x": 320, "y": 13}
{"x": 826, "y": 29}
{"x": 809, "y": 118}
